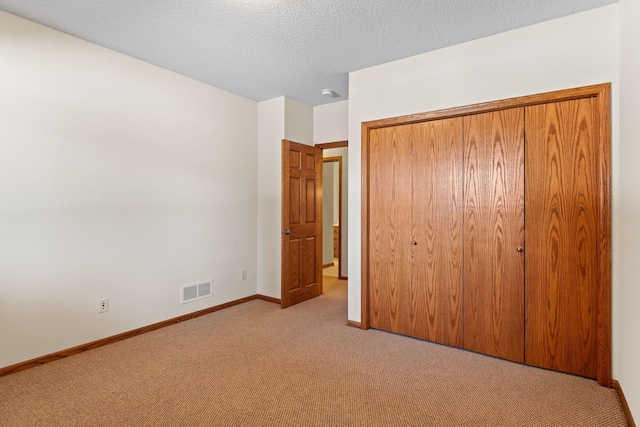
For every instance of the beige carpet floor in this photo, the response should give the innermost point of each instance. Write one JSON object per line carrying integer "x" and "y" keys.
{"x": 257, "y": 365}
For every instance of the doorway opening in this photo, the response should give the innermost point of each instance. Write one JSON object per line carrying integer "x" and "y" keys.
{"x": 331, "y": 215}
{"x": 335, "y": 212}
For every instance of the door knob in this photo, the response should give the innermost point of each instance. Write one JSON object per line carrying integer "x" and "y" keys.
{"x": 287, "y": 231}
{"x": 519, "y": 249}
{"x": 414, "y": 243}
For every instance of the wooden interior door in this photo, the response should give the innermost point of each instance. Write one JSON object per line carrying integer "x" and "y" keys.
{"x": 494, "y": 233}
{"x": 390, "y": 228}
{"x": 436, "y": 256}
{"x": 301, "y": 223}
{"x": 563, "y": 211}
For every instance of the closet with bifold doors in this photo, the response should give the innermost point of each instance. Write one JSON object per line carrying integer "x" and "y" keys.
{"x": 487, "y": 228}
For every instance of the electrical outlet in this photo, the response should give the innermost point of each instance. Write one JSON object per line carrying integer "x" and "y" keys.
{"x": 103, "y": 305}
{"x": 243, "y": 274}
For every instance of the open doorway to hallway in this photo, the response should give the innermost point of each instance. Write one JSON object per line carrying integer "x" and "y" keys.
{"x": 334, "y": 209}
{"x": 331, "y": 210}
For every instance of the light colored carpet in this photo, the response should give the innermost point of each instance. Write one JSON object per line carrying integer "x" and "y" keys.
{"x": 258, "y": 365}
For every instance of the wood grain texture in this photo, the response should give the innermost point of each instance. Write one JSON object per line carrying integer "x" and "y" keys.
{"x": 310, "y": 203}
{"x": 335, "y": 144}
{"x": 295, "y": 193}
{"x": 365, "y": 224}
{"x": 268, "y": 299}
{"x": 129, "y": 334}
{"x": 493, "y": 230}
{"x": 302, "y": 216}
{"x": 295, "y": 160}
{"x": 310, "y": 266}
{"x": 294, "y": 253}
{"x": 311, "y": 159}
{"x": 354, "y": 324}
{"x": 602, "y": 121}
{"x": 599, "y": 90}
{"x": 562, "y": 258}
{"x": 390, "y": 233}
{"x": 436, "y": 258}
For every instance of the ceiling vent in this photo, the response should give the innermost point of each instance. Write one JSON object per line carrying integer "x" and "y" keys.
{"x": 195, "y": 291}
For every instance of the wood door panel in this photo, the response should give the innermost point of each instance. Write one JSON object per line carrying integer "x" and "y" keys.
{"x": 311, "y": 159}
{"x": 295, "y": 207}
{"x": 310, "y": 262}
{"x": 493, "y": 231}
{"x": 390, "y": 236}
{"x": 301, "y": 223}
{"x": 295, "y": 160}
{"x": 436, "y": 285}
{"x": 294, "y": 251}
{"x": 562, "y": 237}
{"x": 310, "y": 205}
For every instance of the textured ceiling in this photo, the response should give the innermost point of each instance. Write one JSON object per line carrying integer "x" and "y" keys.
{"x": 263, "y": 49}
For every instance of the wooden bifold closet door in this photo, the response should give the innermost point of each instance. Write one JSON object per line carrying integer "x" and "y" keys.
{"x": 416, "y": 224}
{"x": 494, "y": 233}
{"x": 391, "y": 228}
{"x": 436, "y": 256}
{"x": 563, "y": 215}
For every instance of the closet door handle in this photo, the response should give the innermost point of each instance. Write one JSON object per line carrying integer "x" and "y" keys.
{"x": 414, "y": 243}
{"x": 520, "y": 249}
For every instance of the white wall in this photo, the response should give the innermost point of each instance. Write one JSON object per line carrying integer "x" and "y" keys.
{"x": 574, "y": 51}
{"x": 331, "y": 122}
{"x": 298, "y": 124}
{"x": 118, "y": 180}
{"x": 629, "y": 206}
{"x": 278, "y": 119}
{"x": 270, "y": 135}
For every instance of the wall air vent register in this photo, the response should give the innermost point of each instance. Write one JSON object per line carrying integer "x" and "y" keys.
{"x": 195, "y": 291}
